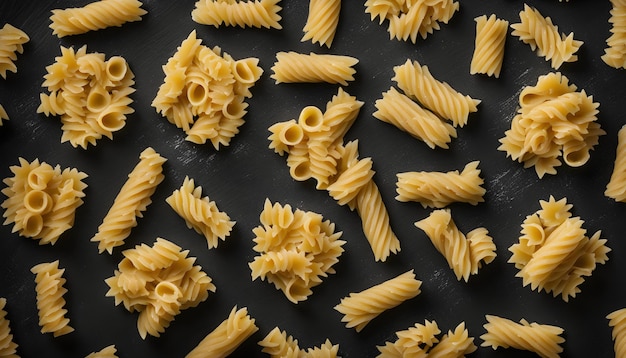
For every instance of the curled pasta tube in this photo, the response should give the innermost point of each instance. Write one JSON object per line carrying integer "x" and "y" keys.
{"x": 246, "y": 70}
{"x": 291, "y": 134}
{"x": 116, "y": 68}
{"x": 32, "y": 224}
{"x": 197, "y": 93}
{"x": 98, "y": 99}
{"x": 300, "y": 169}
{"x": 311, "y": 119}
{"x": 38, "y": 202}
{"x": 111, "y": 120}
{"x": 167, "y": 295}
{"x": 575, "y": 153}
{"x": 39, "y": 178}
{"x": 234, "y": 109}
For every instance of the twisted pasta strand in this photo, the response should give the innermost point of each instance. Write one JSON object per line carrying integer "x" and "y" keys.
{"x": 321, "y": 23}
{"x": 257, "y": 13}
{"x": 50, "y": 302}
{"x": 489, "y": 45}
{"x": 292, "y": 67}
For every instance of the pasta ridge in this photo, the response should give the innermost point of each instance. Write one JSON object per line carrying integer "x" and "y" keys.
{"x": 12, "y": 42}
{"x": 7, "y": 346}
{"x": 50, "y": 302}
{"x": 293, "y": 67}
{"x": 488, "y": 52}
{"x": 322, "y": 20}
{"x": 615, "y": 52}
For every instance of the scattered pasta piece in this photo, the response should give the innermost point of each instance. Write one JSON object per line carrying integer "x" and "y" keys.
{"x": 361, "y": 307}
{"x": 106, "y": 352}
{"x": 12, "y": 40}
{"x": 615, "y": 53}
{"x": 421, "y": 341}
{"x": 489, "y": 45}
{"x": 542, "y": 35}
{"x": 131, "y": 201}
{"x": 297, "y": 249}
{"x": 616, "y": 188}
{"x": 94, "y": 16}
{"x": 542, "y": 339}
{"x": 553, "y": 120}
{"x": 3, "y": 115}
{"x": 293, "y": 67}
{"x": 50, "y": 302}
{"x": 279, "y": 345}
{"x": 42, "y": 200}
{"x": 465, "y": 254}
{"x": 438, "y": 190}
{"x": 227, "y": 337}
{"x": 204, "y": 92}
{"x": 250, "y": 13}
{"x": 617, "y": 321}
{"x": 554, "y": 252}
{"x": 200, "y": 213}
{"x": 321, "y": 23}
{"x": 8, "y": 348}
{"x": 158, "y": 281}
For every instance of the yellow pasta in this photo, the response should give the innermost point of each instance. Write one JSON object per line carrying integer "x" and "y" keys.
{"x": 417, "y": 82}
{"x": 280, "y": 345}
{"x": 3, "y": 115}
{"x": 226, "y": 337}
{"x": 489, "y": 45}
{"x": 95, "y": 16}
{"x": 131, "y": 201}
{"x": 50, "y": 302}
{"x": 200, "y": 213}
{"x": 465, "y": 254}
{"x": 542, "y": 339}
{"x": 7, "y": 346}
{"x": 617, "y": 322}
{"x": 293, "y": 67}
{"x": 615, "y": 53}
{"x": 252, "y": 13}
{"x": 106, "y": 352}
{"x": 12, "y": 42}
{"x": 361, "y": 307}
{"x": 542, "y": 35}
{"x": 616, "y": 188}
{"x": 321, "y": 23}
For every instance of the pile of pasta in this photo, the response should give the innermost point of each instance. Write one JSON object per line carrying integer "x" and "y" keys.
{"x": 42, "y": 200}
{"x": 204, "y": 92}
{"x": 553, "y": 120}
{"x": 297, "y": 249}
{"x": 279, "y": 344}
{"x": 89, "y": 93}
{"x": 554, "y": 252}
{"x": 158, "y": 281}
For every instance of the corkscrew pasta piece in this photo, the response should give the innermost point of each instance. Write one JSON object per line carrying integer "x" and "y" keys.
{"x": 438, "y": 189}
{"x": 131, "y": 201}
{"x": 321, "y": 22}
{"x": 226, "y": 337}
{"x": 200, "y": 213}
{"x": 543, "y": 36}
{"x": 293, "y": 67}
{"x": 615, "y": 53}
{"x": 278, "y": 344}
{"x": 554, "y": 252}
{"x": 465, "y": 254}
{"x": 360, "y": 308}
{"x": 489, "y": 45}
{"x": 252, "y": 13}
{"x": 12, "y": 42}
{"x": 617, "y": 322}
{"x": 50, "y": 302}
{"x": 8, "y": 348}
{"x": 542, "y": 339}
{"x": 616, "y": 187}
{"x": 106, "y": 352}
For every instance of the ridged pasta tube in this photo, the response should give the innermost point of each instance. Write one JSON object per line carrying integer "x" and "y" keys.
{"x": 321, "y": 23}
{"x": 615, "y": 52}
{"x": 293, "y": 67}
{"x": 106, "y": 352}
{"x": 617, "y": 322}
{"x": 7, "y": 346}
{"x": 361, "y": 307}
{"x": 50, "y": 302}
{"x": 95, "y": 16}
{"x": 278, "y": 344}
{"x": 12, "y": 40}
{"x": 489, "y": 45}
{"x": 253, "y": 13}
{"x": 616, "y": 187}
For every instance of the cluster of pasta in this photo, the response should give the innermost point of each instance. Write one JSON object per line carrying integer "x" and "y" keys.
{"x": 249, "y": 13}
{"x": 421, "y": 341}
{"x": 106, "y": 352}
{"x": 297, "y": 249}
{"x": 158, "y": 281}
{"x": 204, "y": 92}
{"x": 465, "y": 253}
{"x": 322, "y": 20}
{"x": 615, "y": 53}
{"x": 617, "y": 322}
{"x": 50, "y": 302}
{"x": 200, "y": 213}
{"x": 409, "y": 18}
{"x": 293, "y": 67}
{"x": 554, "y": 253}
{"x": 489, "y": 45}
{"x": 8, "y": 348}
{"x": 42, "y": 200}
{"x": 553, "y": 120}
{"x": 90, "y": 94}
{"x": 12, "y": 42}
{"x": 278, "y": 345}
{"x": 543, "y": 36}
{"x": 315, "y": 149}
{"x": 542, "y": 339}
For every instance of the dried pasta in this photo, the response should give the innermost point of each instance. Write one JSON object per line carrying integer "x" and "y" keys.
{"x": 617, "y": 322}
{"x": 158, "y": 281}
{"x": 279, "y": 345}
{"x": 465, "y": 253}
{"x": 200, "y": 213}
{"x": 50, "y": 302}
{"x": 8, "y": 348}
{"x": 42, "y": 200}
{"x": 553, "y": 120}
{"x": 106, "y": 352}
{"x": 131, "y": 201}
{"x": 542, "y": 339}
{"x": 321, "y": 23}
{"x": 293, "y": 67}
{"x": 543, "y": 36}
{"x": 418, "y": 83}
{"x": 226, "y": 337}
{"x": 12, "y": 42}
{"x": 489, "y": 45}
{"x": 438, "y": 190}
{"x": 361, "y": 307}
{"x": 554, "y": 252}
{"x": 204, "y": 92}
{"x": 615, "y": 53}
{"x": 3, "y": 115}
{"x": 421, "y": 341}
{"x": 616, "y": 187}
{"x": 89, "y": 93}
{"x": 252, "y": 13}
{"x": 297, "y": 249}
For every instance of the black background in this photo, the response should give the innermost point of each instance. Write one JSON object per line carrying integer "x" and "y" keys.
{"x": 241, "y": 176}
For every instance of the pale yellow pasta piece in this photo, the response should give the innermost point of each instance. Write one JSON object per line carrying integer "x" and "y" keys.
{"x": 616, "y": 188}
{"x": 50, "y": 302}
{"x": 106, "y": 352}
{"x": 617, "y": 322}
{"x": 322, "y": 20}
{"x": 293, "y": 67}
{"x": 489, "y": 45}
{"x": 12, "y": 42}
{"x": 280, "y": 345}
{"x": 360, "y": 308}
{"x": 252, "y": 13}
{"x": 3, "y": 115}
{"x": 615, "y": 53}
{"x": 7, "y": 346}
{"x": 95, "y": 16}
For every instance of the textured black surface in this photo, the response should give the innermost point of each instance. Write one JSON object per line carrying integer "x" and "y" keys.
{"x": 241, "y": 176}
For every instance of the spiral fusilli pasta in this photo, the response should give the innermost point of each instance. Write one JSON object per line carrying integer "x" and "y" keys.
{"x": 252, "y": 13}
{"x": 8, "y": 348}
{"x": 50, "y": 302}
{"x": 616, "y": 187}
{"x": 321, "y": 23}
{"x": 106, "y": 352}
{"x": 615, "y": 53}
{"x": 617, "y": 322}
{"x": 12, "y": 42}
{"x": 293, "y": 67}
{"x": 278, "y": 344}
{"x": 489, "y": 45}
